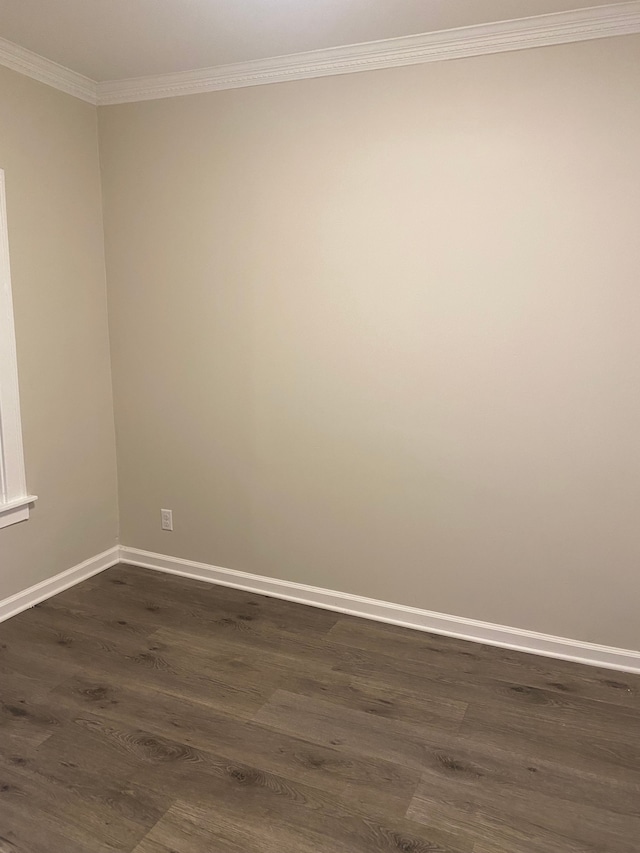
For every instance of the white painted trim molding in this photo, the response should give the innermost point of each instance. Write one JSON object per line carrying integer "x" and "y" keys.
{"x": 14, "y": 498}
{"x": 540, "y": 31}
{"x": 58, "y": 583}
{"x": 517, "y": 639}
{"x": 15, "y": 511}
{"x": 45, "y": 71}
{"x": 617, "y": 19}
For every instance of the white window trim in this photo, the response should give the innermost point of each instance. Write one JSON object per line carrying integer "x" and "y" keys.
{"x": 14, "y": 498}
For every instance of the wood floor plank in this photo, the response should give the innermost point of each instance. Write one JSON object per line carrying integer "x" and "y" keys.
{"x": 239, "y": 604}
{"x": 592, "y": 741}
{"x": 278, "y": 668}
{"x": 511, "y": 812}
{"x": 245, "y": 793}
{"x": 32, "y": 832}
{"x": 80, "y": 808}
{"x": 322, "y": 659}
{"x": 77, "y": 746}
{"x": 201, "y": 603}
{"x": 106, "y": 623}
{"x": 41, "y": 631}
{"x": 27, "y": 715}
{"x": 470, "y": 763}
{"x": 331, "y": 725}
{"x": 494, "y": 833}
{"x": 145, "y": 712}
{"x": 491, "y": 664}
{"x": 199, "y": 725}
{"x": 22, "y": 659}
{"x": 129, "y": 657}
{"x": 288, "y": 821}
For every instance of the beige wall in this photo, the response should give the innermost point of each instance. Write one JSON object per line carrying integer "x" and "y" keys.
{"x": 48, "y": 149}
{"x": 379, "y": 333}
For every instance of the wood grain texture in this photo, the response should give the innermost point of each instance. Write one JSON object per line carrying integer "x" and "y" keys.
{"x": 146, "y": 713}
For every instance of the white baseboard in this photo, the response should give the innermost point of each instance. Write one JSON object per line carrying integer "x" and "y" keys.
{"x": 396, "y": 614}
{"x": 488, "y": 633}
{"x": 58, "y": 583}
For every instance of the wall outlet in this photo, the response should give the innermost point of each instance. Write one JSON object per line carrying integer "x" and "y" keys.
{"x": 166, "y": 516}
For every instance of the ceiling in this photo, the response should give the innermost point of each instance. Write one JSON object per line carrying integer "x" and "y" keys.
{"x": 118, "y": 39}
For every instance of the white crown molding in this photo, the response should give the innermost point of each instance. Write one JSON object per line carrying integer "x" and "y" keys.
{"x": 45, "y": 71}
{"x": 58, "y": 583}
{"x": 397, "y": 614}
{"x": 540, "y": 31}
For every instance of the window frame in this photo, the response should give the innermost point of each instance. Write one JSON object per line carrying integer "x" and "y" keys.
{"x": 15, "y": 500}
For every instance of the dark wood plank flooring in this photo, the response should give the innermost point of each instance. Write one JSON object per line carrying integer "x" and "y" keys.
{"x": 145, "y": 713}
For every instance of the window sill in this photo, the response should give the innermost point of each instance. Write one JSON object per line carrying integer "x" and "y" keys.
{"x": 15, "y": 511}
